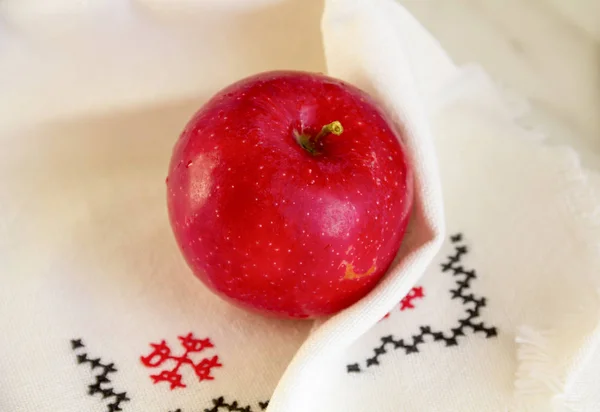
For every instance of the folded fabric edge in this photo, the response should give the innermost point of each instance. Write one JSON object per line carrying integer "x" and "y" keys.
{"x": 342, "y": 26}
{"x": 340, "y": 30}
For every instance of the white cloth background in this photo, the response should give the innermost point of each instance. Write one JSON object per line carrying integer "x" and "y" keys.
{"x": 93, "y": 96}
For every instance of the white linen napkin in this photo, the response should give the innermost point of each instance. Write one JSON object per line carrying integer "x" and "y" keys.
{"x": 100, "y": 313}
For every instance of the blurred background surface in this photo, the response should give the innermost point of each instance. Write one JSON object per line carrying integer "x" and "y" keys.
{"x": 546, "y": 50}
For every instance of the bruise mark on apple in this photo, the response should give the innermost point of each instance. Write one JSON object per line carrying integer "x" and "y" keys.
{"x": 351, "y": 274}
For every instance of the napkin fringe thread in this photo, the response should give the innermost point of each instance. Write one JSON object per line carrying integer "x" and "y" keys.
{"x": 537, "y": 372}
{"x": 544, "y": 375}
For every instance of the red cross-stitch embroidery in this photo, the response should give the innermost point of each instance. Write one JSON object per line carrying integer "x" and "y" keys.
{"x": 407, "y": 301}
{"x": 161, "y": 353}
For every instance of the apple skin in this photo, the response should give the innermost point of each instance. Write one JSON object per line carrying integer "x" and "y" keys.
{"x": 276, "y": 221}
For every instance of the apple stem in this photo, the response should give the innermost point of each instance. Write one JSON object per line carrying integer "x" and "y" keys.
{"x": 309, "y": 144}
{"x": 333, "y": 127}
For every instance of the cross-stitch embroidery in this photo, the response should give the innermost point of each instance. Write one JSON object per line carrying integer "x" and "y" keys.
{"x": 102, "y": 385}
{"x": 468, "y": 324}
{"x": 161, "y": 355}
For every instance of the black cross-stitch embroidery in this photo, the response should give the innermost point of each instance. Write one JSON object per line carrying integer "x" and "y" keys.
{"x": 473, "y": 305}
{"x": 102, "y": 383}
{"x": 220, "y": 405}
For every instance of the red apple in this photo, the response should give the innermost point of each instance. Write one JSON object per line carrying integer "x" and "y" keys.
{"x": 289, "y": 193}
